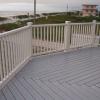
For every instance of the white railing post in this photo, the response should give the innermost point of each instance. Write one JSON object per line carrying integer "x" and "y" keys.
{"x": 67, "y": 36}
{"x": 93, "y": 29}
{"x": 30, "y": 25}
{"x": 1, "y": 74}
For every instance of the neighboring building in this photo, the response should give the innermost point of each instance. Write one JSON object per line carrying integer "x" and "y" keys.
{"x": 89, "y": 10}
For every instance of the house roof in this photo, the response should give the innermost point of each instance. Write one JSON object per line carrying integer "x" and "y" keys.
{"x": 90, "y": 5}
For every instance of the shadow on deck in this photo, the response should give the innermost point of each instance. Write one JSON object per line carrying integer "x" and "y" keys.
{"x": 63, "y": 76}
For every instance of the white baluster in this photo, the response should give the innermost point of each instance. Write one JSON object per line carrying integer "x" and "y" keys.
{"x": 50, "y": 38}
{"x": 1, "y": 65}
{"x": 93, "y": 32}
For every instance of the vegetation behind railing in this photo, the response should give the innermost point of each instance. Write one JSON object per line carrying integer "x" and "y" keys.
{"x": 3, "y": 18}
{"x": 51, "y": 19}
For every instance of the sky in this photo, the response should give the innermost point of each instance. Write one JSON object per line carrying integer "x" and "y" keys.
{"x": 52, "y": 1}
{"x": 27, "y": 5}
{"x": 69, "y": 1}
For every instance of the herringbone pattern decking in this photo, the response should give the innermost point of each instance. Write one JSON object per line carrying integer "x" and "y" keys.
{"x": 63, "y": 76}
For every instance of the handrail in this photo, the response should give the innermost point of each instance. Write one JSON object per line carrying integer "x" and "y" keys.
{"x": 81, "y": 23}
{"x": 98, "y": 23}
{"x": 40, "y": 25}
{"x": 14, "y": 31}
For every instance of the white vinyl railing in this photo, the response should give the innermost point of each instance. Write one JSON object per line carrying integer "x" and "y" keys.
{"x": 48, "y": 38}
{"x": 17, "y": 46}
{"x": 81, "y": 34}
{"x": 15, "y": 49}
{"x": 57, "y": 37}
{"x": 84, "y": 34}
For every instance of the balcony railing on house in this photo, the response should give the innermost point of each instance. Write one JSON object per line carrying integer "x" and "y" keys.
{"x": 17, "y": 46}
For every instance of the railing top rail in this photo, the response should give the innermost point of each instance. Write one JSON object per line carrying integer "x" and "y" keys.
{"x": 98, "y": 23}
{"x": 44, "y": 25}
{"x": 13, "y": 31}
{"x": 88, "y": 23}
{"x": 41, "y": 25}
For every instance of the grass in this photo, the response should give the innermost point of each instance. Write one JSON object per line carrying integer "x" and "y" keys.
{"x": 10, "y": 26}
{"x": 62, "y": 18}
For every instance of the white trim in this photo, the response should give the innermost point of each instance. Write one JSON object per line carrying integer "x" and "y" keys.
{"x": 14, "y": 31}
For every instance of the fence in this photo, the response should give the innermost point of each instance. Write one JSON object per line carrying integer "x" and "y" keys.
{"x": 15, "y": 50}
{"x": 17, "y": 46}
{"x": 48, "y": 38}
{"x": 57, "y": 37}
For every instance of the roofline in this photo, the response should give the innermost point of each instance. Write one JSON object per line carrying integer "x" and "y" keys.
{"x": 89, "y": 9}
{"x": 90, "y": 5}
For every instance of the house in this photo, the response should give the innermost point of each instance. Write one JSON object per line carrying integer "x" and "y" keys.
{"x": 89, "y": 10}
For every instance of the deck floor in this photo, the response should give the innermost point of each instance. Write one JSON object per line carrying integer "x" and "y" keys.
{"x": 63, "y": 76}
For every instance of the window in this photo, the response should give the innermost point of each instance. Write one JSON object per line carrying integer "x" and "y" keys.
{"x": 92, "y": 11}
{"x": 87, "y": 11}
{"x": 92, "y": 6}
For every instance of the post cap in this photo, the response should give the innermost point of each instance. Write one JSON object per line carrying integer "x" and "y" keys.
{"x": 29, "y": 23}
{"x": 66, "y": 22}
{"x": 94, "y": 21}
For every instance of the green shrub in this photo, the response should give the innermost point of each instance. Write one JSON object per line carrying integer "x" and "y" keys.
{"x": 3, "y": 18}
{"x": 10, "y": 26}
{"x": 22, "y": 16}
{"x": 51, "y": 20}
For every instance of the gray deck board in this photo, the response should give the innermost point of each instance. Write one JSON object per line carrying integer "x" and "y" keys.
{"x": 98, "y": 85}
{"x": 22, "y": 90}
{"x": 15, "y": 91}
{"x": 2, "y": 96}
{"x": 63, "y": 76}
{"x": 29, "y": 88}
{"x": 8, "y": 94}
{"x": 40, "y": 90}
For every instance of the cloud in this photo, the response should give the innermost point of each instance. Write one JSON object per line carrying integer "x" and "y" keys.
{"x": 15, "y": 1}
{"x": 70, "y": 2}
{"x": 45, "y": 5}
